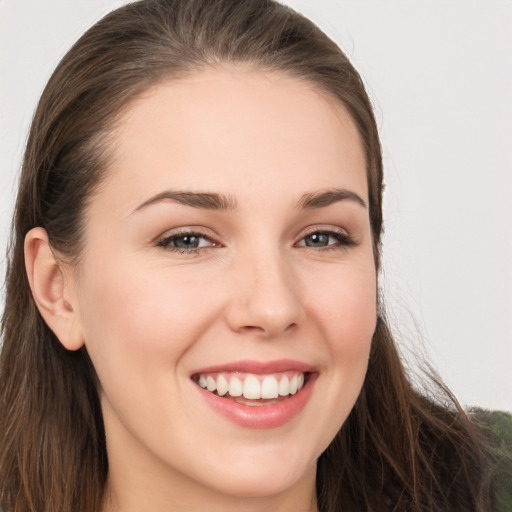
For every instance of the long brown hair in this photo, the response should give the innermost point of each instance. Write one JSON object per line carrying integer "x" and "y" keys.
{"x": 397, "y": 450}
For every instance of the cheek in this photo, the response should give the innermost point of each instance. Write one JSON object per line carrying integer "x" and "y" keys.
{"x": 343, "y": 305}
{"x": 346, "y": 309}
{"x": 131, "y": 318}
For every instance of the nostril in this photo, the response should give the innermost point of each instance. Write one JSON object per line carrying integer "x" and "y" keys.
{"x": 267, "y": 330}
{"x": 252, "y": 328}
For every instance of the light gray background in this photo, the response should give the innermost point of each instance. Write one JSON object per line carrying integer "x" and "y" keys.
{"x": 440, "y": 76}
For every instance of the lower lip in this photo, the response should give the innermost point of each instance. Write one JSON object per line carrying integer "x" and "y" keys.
{"x": 261, "y": 416}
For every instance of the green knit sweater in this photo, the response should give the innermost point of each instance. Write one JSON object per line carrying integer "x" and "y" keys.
{"x": 500, "y": 427}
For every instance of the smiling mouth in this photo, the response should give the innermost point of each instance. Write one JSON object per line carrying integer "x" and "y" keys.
{"x": 253, "y": 389}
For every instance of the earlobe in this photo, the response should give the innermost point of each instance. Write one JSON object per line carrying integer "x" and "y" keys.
{"x": 52, "y": 289}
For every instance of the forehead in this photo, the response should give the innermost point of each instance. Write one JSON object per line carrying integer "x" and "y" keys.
{"x": 235, "y": 128}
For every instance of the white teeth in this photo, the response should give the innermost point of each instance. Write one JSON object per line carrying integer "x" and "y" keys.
{"x": 293, "y": 385}
{"x": 252, "y": 388}
{"x": 211, "y": 385}
{"x": 222, "y": 385}
{"x": 284, "y": 386}
{"x": 269, "y": 388}
{"x": 235, "y": 387}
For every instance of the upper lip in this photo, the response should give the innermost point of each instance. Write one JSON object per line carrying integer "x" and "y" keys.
{"x": 258, "y": 367}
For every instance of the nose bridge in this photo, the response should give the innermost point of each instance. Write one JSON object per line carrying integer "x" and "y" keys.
{"x": 266, "y": 299}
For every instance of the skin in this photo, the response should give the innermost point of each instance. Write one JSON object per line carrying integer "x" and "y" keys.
{"x": 150, "y": 316}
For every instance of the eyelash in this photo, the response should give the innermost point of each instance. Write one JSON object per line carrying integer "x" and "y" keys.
{"x": 166, "y": 242}
{"x": 343, "y": 241}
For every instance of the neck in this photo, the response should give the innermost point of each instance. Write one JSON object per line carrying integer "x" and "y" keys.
{"x": 182, "y": 495}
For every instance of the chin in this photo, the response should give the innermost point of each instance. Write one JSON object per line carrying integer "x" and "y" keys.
{"x": 261, "y": 473}
{"x": 263, "y": 482}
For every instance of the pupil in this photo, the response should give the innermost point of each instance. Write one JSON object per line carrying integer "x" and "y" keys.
{"x": 317, "y": 239}
{"x": 187, "y": 242}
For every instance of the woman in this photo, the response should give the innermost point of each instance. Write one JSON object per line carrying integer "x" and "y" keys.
{"x": 192, "y": 316}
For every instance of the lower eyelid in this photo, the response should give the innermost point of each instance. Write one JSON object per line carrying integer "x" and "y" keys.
{"x": 166, "y": 241}
{"x": 341, "y": 237}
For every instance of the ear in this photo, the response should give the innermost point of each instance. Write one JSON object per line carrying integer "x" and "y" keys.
{"x": 53, "y": 290}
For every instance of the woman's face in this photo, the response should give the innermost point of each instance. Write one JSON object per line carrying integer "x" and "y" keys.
{"x": 228, "y": 251}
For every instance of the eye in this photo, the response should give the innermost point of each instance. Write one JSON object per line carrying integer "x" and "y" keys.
{"x": 326, "y": 239}
{"x": 186, "y": 242}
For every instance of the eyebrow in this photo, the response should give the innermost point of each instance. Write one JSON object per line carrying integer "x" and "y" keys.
{"x": 327, "y": 197}
{"x": 203, "y": 200}
{"x": 221, "y": 202}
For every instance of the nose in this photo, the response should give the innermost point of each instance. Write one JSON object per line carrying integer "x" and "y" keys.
{"x": 265, "y": 299}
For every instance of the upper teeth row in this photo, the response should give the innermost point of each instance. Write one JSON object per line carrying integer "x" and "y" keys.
{"x": 251, "y": 387}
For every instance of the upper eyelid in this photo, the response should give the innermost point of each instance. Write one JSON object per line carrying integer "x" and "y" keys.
{"x": 165, "y": 242}
{"x": 342, "y": 235}
{"x": 205, "y": 233}
{"x": 326, "y": 229}
{"x": 177, "y": 232}
{"x": 320, "y": 228}
{"x": 187, "y": 233}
